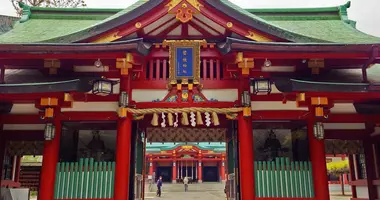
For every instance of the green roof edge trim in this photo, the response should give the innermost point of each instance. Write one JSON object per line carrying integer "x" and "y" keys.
{"x": 114, "y": 10}
{"x": 300, "y": 10}
{"x": 26, "y": 12}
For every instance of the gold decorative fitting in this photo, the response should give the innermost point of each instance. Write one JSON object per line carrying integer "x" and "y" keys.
{"x": 185, "y": 11}
{"x": 68, "y": 97}
{"x": 138, "y": 25}
{"x": 108, "y": 38}
{"x": 319, "y": 111}
{"x": 316, "y": 65}
{"x": 49, "y": 113}
{"x": 230, "y": 24}
{"x": 253, "y": 35}
{"x": 48, "y": 101}
{"x": 301, "y": 97}
{"x": 319, "y": 101}
{"x": 122, "y": 112}
{"x": 247, "y": 111}
{"x": 195, "y": 3}
{"x": 124, "y": 64}
{"x": 246, "y": 64}
{"x": 52, "y": 65}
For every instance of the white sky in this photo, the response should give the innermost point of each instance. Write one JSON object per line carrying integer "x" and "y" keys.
{"x": 365, "y": 12}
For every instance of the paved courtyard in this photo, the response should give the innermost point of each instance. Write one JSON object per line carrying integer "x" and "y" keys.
{"x": 212, "y": 195}
{"x": 209, "y": 191}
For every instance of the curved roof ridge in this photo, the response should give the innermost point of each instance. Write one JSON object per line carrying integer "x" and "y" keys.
{"x": 301, "y": 10}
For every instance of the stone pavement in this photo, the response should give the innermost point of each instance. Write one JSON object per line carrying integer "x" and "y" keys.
{"x": 207, "y": 191}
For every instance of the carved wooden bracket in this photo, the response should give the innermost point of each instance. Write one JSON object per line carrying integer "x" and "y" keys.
{"x": 124, "y": 64}
{"x": 315, "y": 65}
{"x": 245, "y": 64}
{"x": 52, "y": 65}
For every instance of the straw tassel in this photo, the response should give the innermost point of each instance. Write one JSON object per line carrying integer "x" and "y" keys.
{"x": 170, "y": 119}
{"x": 215, "y": 119}
{"x": 155, "y": 119}
{"x": 185, "y": 119}
{"x": 199, "y": 118}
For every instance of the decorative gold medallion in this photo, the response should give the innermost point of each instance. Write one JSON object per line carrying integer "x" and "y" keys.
{"x": 138, "y": 25}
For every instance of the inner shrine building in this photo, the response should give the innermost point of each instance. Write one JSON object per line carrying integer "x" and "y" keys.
{"x": 253, "y": 98}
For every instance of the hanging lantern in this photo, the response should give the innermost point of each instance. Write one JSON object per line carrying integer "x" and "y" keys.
{"x": 102, "y": 87}
{"x": 260, "y": 86}
{"x": 49, "y": 131}
{"x": 319, "y": 132}
{"x": 246, "y": 99}
{"x": 123, "y": 99}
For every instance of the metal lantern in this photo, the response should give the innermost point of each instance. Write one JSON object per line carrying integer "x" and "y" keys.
{"x": 123, "y": 99}
{"x": 102, "y": 87}
{"x": 49, "y": 131}
{"x": 319, "y": 132}
{"x": 246, "y": 99}
{"x": 261, "y": 86}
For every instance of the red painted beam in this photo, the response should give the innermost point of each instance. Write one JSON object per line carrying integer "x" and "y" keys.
{"x": 142, "y": 105}
{"x": 75, "y": 56}
{"x": 88, "y": 116}
{"x": 336, "y": 97}
{"x": 21, "y": 119}
{"x": 161, "y": 84}
{"x": 352, "y": 118}
{"x": 26, "y": 135}
{"x": 280, "y": 115}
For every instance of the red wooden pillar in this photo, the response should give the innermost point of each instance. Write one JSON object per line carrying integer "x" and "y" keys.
{"x": 352, "y": 175}
{"x": 2, "y": 150}
{"x": 199, "y": 171}
{"x": 222, "y": 170}
{"x": 123, "y": 154}
{"x": 369, "y": 157}
{"x": 49, "y": 163}
{"x": 17, "y": 169}
{"x": 151, "y": 167}
{"x": 318, "y": 163}
{"x": 174, "y": 171}
{"x": 245, "y": 136}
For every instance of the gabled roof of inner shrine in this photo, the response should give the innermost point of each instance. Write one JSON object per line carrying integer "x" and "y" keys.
{"x": 67, "y": 25}
{"x": 212, "y": 146}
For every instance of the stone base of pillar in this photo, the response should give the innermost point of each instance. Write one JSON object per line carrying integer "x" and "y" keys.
{"x": 199, "y": 181}
{"x": 174, "y": 181}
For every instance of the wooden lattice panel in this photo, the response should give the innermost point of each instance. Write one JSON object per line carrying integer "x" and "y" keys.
{"x": 343, "y": 147}
{"x": 20, "y": 148}
{"x": 186, "y": 134}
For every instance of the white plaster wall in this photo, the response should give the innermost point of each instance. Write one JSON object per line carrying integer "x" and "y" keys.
{"x": 24, "y": 109}
{"x": 229, "y": 95}
{"x": 344, "y": 126}
{"x": 343, "y": 108}
{"x": 140, "y": 95}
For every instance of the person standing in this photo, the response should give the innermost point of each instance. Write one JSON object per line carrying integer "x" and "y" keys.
{"x": 159, "y": 185}
{"x": 186, "y": 183}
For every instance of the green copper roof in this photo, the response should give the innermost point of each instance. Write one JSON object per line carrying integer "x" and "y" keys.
{"x": 303, "y": 25}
